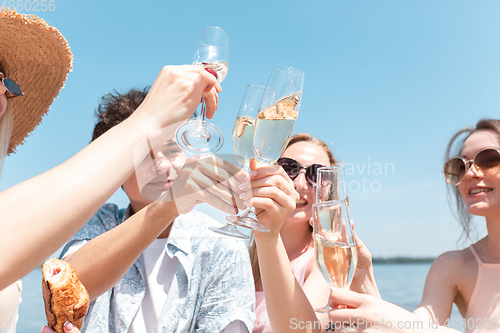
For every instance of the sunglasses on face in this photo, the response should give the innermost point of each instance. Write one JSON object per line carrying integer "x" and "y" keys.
{"x": 11, "y": 87}
{"x": 486, "y": 162}
{"x": 292, "y": 169}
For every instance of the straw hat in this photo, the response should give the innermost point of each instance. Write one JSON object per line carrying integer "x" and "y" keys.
{"x": 37, "y": 57}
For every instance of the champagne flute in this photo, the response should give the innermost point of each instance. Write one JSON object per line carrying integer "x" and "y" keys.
{"x": 331, "y": 185}
{"x": 274, "y": 124}
{"x": 198, "y": 136}
{"x": 242, "y": 137}
{"x": 334, "y": 244}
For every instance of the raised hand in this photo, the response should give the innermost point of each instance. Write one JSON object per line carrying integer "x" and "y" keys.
{"x": 209, "y": 179}
{"x": 273, "y": 196}
{"x": 176, "y": 93}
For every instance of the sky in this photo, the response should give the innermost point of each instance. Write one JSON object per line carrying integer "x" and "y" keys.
{"x": 387, "y": 84}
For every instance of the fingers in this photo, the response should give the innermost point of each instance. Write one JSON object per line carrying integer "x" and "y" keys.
{"x": 204, "y": 86}
{"x": 68, "y": 327}
{"x": 345, "y": 297}
{"x": 202, "y": 176}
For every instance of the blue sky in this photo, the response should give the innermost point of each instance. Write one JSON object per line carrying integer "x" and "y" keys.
{"x": 388, "y": 82}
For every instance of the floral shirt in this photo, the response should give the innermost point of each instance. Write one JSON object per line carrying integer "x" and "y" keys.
{"x": 212, "y": 286}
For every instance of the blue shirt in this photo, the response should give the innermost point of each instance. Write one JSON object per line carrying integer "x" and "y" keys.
{"x": 212, "y": 286}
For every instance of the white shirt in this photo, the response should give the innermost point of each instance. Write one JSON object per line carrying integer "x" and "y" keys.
{"x": 158, "y": 270}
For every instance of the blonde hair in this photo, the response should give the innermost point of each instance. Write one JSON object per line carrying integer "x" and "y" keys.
{"x": 5, "y": 133}
{"x": 299, "y": 137}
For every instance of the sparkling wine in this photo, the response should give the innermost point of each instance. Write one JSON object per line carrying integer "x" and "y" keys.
{"x": 243, "y": 137}
{"x": 336, "y": 260}
{"x": 271, "y": 137}
{"x": 273, "y": 128}
{"x": 220, "y": 67}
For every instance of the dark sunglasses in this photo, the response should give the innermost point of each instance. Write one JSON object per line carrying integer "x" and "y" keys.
{"x": 486, "y": 161}
{"x": 11, "y": 86}
{"x": 292, "y": 169}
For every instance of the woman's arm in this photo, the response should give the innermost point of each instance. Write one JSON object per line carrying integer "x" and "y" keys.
{"x": 288, "y": 306}
{"x": 104, "y": 260}
{"x": 368, "y": 314}
{"x": 40, "y": 214}
{"x": 440, "y": 287}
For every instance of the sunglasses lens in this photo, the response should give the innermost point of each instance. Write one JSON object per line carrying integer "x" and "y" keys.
{"x": 12, "y": 87}
{"x": 488, "y": 162}
{"x": 290, "y": 166}
{"x": 454, "y": 170}
{"x": 312, "y": 173}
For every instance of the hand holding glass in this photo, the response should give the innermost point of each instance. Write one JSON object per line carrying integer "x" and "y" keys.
{"x": 334, "y": 245}
{"x": 199, "y": 136}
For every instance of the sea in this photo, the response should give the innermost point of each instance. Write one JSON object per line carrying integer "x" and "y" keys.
{"x": 401, "y": 284}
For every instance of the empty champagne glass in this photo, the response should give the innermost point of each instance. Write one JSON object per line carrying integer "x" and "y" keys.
{"x": 331, "y": 185}
{"x": 198, "y": 136}
{"x": 242, "y": 138}
{"x": 334, "y": 244}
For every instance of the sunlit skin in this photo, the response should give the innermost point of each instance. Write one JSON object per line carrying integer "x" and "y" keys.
{"x": 487, "y": 203}
{"x": 306, "y": 154}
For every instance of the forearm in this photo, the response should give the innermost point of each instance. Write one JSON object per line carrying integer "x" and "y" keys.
{"x": 104, "y": 260}
{"x": 41, "y": 214}
{"x": 285, "y": 300}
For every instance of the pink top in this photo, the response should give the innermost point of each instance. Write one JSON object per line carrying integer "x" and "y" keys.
{"x": 299, "y": 265}
{"x": 483, "y": 312}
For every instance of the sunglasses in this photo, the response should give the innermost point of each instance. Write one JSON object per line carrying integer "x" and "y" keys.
{"x": 11, "y": 86}
{"x": 292, "y": 169}
{"x": 486, "y": 161}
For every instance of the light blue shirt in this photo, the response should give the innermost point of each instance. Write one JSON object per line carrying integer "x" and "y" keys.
{"x": 212, "y": 286}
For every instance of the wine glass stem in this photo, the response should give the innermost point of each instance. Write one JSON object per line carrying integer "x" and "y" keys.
{"x": 201, "y": 131}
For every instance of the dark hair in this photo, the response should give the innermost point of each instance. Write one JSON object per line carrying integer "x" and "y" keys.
{"x": 455, "y": 200}
{"x": 115, "y": 108}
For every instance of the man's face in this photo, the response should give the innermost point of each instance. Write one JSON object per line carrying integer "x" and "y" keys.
{"x": 152, "y": 177}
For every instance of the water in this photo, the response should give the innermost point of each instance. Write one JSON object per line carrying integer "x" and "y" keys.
{"x": 401, "y": 284}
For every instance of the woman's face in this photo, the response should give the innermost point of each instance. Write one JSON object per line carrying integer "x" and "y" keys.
{"x": 152, "y": 178}
{"x": 480, "y": 195}
{"x": 306, "y": 154}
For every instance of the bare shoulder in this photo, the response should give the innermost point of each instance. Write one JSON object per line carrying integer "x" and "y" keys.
{"x": 453, "y": 260}
{"x": 454, "y": 268}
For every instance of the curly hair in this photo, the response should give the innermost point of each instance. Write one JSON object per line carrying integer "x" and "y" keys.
{"x": 455, "y": 200}
{"x": 115, "y": 108}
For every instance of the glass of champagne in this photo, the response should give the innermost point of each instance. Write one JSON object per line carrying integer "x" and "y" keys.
{"x": 275, "y": 121}
{"x": 198, "y": 136}
{"x": 242, "y": 138}
{"x": 334, "y": 244}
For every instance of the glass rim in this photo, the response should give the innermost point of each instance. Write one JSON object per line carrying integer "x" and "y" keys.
{"x": 333, "y": 167}
{"x": 218, "y": 28}
{"x": 285, "y": 68}
{"x": 257, "y": 87}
